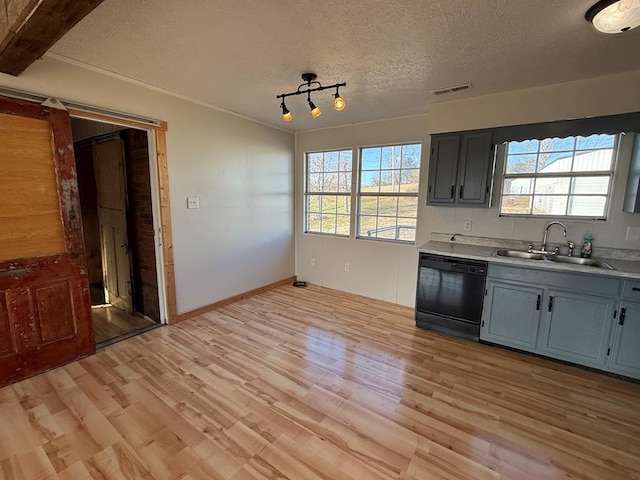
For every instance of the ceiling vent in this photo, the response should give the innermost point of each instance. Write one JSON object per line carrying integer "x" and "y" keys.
{"x": 457, "y": 88}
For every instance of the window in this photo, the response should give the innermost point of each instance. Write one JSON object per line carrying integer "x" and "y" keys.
{"x": 388, "y": 192}
{"x": 328, "y": 192}
{"x": 569, "y": 176}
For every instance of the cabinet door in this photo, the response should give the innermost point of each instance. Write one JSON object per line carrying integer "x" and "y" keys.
{"x": 625, "y": 354}
{"x": 443, "y": 166}
{"x": 511, "y": 315}
{"x": 475, "y": 168}
{"x": 577, "y": 327}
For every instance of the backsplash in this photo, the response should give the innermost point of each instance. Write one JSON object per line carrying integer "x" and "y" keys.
{"x": 599, "y": 251}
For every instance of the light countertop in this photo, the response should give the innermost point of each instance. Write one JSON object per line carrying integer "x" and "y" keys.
{"x": 623, "y": 268}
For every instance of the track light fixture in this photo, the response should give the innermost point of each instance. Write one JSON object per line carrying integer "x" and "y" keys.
{"x": 309, "y": 80}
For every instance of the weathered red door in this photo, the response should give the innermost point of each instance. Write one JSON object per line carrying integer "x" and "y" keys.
{"x": 45, "y": 309}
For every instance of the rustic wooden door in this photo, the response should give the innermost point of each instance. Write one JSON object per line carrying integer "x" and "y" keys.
{"x": 108, "y": 163}
{"x": 45, "y": 309}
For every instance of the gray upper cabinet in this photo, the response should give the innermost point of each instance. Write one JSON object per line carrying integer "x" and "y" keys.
{"x": 461, "y": 169}
{"x": 443, "y": 169}
{"x": 475, "y": 169}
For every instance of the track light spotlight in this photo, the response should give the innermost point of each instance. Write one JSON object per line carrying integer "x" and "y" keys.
{"x": 286, "y": 114}
{"x": 309, "y": 80}
{"x": 338, "y": 102}
{"x": 315, "y": 111}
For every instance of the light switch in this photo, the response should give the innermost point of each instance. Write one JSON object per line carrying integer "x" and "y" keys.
{"x": 633, "y": 233}
{"x": 193, "y": 202}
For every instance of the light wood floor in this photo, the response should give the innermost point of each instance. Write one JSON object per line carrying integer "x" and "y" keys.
{"x": 111, "y": 322}
{"x": 316, "y": 384}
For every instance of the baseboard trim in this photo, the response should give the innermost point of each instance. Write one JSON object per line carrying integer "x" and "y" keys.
{"x": 214, "y": 306}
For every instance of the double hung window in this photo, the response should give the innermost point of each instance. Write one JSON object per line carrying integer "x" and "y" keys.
{"x": 569, "y": 176}
{"x": 385, "y": 188}
{"x": 328, "y": 192}
{"x": 388, "y": 192}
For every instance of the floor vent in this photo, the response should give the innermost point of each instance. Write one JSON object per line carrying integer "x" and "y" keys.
{"x": 457, "y": 88}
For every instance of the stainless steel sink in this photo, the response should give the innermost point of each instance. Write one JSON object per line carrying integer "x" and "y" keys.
{"x": 591, "y": 262}
{"x": 520, "y": 254}
{"x": 552, "y": 257}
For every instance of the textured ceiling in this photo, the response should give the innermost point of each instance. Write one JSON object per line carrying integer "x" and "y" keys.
{"x": 238, "y": 54}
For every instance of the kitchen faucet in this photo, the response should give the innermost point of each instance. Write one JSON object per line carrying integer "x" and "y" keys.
{"x": 546, "y": 232}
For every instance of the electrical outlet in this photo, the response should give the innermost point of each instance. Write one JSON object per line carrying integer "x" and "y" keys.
{"x": 313, "y": 262}
{"x": 467, "y": 225}
{"x": 346, "y": 267}
{"x": 193, "y": 202}
{"x": 633, "y": 234}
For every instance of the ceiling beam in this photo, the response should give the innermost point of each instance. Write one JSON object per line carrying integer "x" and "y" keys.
{"x": 28, "y": 28}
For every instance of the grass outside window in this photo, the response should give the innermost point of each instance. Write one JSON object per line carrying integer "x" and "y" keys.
{"x": 388, "y": 192}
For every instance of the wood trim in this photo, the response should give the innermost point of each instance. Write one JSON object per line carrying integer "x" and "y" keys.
{"x": 47, "y": 23}
{"x": 235, "y": 298}
{"x": 119, "y": 120}
{"x": 13, "y": 18}
{"x": 165, "y": 222}
{"x": 165, "y": 200}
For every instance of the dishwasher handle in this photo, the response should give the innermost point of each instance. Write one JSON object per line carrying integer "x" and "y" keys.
{"x": 452, "y": 264}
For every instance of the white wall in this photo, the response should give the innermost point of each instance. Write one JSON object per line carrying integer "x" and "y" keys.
{"x": 388, "y": 271}
{"x": 242, "y": 236}
{"x": 376, "y": 269}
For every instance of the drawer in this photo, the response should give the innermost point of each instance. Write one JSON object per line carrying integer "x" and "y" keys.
{"x": 631, "y": 290}
{"x": 578, "y": 282}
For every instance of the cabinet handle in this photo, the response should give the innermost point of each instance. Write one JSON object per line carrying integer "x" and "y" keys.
{"x": 635, "y": 289}
{"x": 538, "y": 302}
{"x": 623, "y": 315}
{"x": 550, "y": 304}
{"x": 12, "y": 272}
{"x": 453, "y": 191}
{"x": 461, "y": 191}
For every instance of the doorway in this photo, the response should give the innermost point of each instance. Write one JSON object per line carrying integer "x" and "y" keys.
{"x": 115, "y": 188}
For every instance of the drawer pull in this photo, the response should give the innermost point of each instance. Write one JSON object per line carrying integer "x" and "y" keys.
{"x": 635, "y": 289}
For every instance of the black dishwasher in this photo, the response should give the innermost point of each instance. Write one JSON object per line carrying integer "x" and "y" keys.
{"x": 450, "y": 295}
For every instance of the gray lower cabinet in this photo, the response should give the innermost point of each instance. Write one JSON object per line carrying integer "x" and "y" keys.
{"x": 577, "y": 327}
{"x": 573, "y": 317}
{"x": 511, "y": 314}
{"x": 625, "y": 352}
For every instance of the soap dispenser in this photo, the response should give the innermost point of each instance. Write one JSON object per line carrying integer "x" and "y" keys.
{"x": 587, "y": 247}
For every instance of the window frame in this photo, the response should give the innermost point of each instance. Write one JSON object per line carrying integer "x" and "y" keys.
{"x": 306, "y": 193}
{"x": 359, "y": 194}
{"x": 611, "y": 173}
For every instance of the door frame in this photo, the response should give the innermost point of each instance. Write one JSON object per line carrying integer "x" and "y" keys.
{"x": 160, "y": 204}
